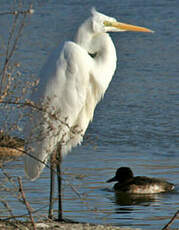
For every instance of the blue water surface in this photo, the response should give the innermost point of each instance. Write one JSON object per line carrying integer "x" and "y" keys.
{"x": 135, "y": 125}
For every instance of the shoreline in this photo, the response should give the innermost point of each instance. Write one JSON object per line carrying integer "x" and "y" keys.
{"x": 46, "y": 224}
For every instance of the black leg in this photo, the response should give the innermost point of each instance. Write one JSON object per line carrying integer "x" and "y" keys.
{"x": 52, "y": 181}
{"x": 59, "y": 179}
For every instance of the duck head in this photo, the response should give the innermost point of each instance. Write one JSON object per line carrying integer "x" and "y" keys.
{"x": 123, "y": 174}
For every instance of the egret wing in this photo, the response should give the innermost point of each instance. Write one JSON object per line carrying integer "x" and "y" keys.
{"x": 62, "y": 93}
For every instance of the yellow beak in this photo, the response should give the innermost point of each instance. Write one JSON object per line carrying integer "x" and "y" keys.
{"x": 127, "y": 27}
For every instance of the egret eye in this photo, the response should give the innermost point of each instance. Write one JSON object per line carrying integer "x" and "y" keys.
{"x": 107, "y": 23}
{"x": 93, "y": 55}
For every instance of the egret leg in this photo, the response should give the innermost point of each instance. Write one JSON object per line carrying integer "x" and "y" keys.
{"x": 52, "y": 182}
{"x": 59, "y": 179}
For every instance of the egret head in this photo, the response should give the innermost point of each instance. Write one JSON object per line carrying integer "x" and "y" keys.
{"x": 101, "y": 23}
{"x": 92, "y": 35}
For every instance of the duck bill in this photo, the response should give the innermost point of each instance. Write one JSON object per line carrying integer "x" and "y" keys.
{"x": 111, "y": 180}
{"x": 127, "y": 27}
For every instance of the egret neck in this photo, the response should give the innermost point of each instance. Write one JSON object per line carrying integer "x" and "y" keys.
{"x": 101, "y": 50}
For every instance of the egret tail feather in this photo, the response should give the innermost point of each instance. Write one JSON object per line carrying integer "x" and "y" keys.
{"x": 33, "y": 166}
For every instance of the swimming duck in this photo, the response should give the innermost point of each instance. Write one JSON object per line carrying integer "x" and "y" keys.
{"x": 138, "y": 184}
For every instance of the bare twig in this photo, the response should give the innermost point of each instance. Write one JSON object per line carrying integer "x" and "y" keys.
{"x": 171, "y": 221}
{"x": 27, "y": 103}
{"x": 29, "y": 209}
{"x": 7, "y": 207}
{"x": 10, "y": 179}
{"x": 10, "y": 52}
{"x": 24, "y": 215}
{"x": 11, "y": 182}
{"x": 41, "y": 108}
{"x": 15, "y": 12}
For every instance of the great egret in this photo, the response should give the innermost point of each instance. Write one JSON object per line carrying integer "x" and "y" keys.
{"x": 72, "y": 82}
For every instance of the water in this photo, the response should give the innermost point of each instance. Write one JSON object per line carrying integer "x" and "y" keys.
{"x": 136, "y": 124}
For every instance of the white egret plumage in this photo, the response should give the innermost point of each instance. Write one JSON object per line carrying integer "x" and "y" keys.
{"x": 72, "y": 82}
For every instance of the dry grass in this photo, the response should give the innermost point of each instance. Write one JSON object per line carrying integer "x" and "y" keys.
{"x": 10, "y": 147}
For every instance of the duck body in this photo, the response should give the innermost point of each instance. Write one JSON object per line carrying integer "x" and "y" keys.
{"x": 139, "y": 184}
{"x": 144, "y": 185}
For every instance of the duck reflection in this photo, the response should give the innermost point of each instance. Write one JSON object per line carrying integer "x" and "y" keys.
{"x": 123, "y": 199}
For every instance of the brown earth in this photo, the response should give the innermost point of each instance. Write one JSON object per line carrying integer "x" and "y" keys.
{"x": 49, "y": 225}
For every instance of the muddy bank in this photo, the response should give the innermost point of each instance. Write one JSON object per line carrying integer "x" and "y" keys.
{"x": 8, "y": 225}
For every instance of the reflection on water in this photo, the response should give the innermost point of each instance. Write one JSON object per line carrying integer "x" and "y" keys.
{"x": 124, "y": 199}
{"x": 136, "y": 125}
